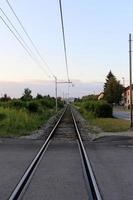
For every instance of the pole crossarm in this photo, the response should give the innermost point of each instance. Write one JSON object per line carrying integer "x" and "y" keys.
{"x": 56, "y": 88}
{"x": 64, "y": 81}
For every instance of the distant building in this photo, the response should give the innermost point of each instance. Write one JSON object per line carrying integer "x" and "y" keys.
{"x": 126, "y": 97}
{"x": 100, "y": 96}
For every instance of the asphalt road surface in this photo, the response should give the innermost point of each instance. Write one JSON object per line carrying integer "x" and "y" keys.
{"x": 122, "y": 114}
{"x": 59, "y": 175}
{"x": 112, "y": 162}
{"x": 15, "y": 156}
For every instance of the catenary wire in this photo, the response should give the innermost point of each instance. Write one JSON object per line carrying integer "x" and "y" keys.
{"x": 15, "y": 29}
{"x": 64, "y": 41}
{"x": 28, "y": 36}
{"x": 23, "y": 41}
{"x": 22, "y": 44}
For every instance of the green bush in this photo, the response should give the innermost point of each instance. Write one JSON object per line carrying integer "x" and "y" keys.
{"x": 90, "y": 106}
{"x": 60, "y": 104}
{"x": 33, "y": 106}
{"x": 2, "y": 116}
{"x": 103, "y": 109}
{"x": 98, "y": 108}
{"x": 48, "y": 103}
{"x": 17, "y": 104}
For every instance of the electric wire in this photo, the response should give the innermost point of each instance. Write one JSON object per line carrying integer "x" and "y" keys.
{"x": 26, "y": 47}
{"x": 15, "y": 36}
{"x": 28, "y": 36}
{"x": 64, "y": 41}
{"x": 15, "y": 29}
{"x": 28, "y": 52}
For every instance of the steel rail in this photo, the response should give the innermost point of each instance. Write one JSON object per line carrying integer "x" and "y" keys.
{"x": 32, "y": 167}
{"x": 95, "y": 193}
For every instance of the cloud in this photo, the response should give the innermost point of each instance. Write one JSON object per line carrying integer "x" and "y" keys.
{"x": 85, "y": 88}
{"x": 16, "y": 88}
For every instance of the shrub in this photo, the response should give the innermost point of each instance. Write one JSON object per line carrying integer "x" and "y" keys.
{"x": 60, "y": 104}
{"x": 48, "y": 103}
{"x": 2, "y": 116}
{"x": 98, "y": 108}
{"x": 33, "y": 106}
{"x": 103, "y": 109}
{"x": 90, "y": 106}
{"x": 18, "y": 104}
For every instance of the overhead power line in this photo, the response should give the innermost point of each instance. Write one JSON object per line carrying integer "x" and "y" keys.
{"x": 15, "y": 29}
{"x": 25, "y": 46}
{"x": 21, "y": 43}
{"x": 64, "y": 41}
{"x": 28, "y": 36}
{"x": 15, "y": 36}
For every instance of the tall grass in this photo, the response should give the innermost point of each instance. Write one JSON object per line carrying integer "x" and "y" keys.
{"x": 20, "y": 122}
{"x": 105, "y": 124}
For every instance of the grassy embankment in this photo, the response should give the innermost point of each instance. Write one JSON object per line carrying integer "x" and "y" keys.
{"x": 19, "y": 118}
{"x": 105, "y": 124}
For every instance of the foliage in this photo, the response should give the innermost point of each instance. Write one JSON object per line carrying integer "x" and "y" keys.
{"x": 2, "y": 116}
{"x": 90, "y": 106}
{"x": 33, "y": 106}
{"x": 103, "y": 109}
{"x": 77, "y": 100}
{"x": 39, "y": 96}
{"x": 17, "y": 103}
{"x": 112, "y": 89}
{"x": 98, "y": 108}
{"x": 21, "y": 122}
{"x": 27, "y": 94}
{"x": 20, "y": 116}
{"x": 60, "y": 104}
{"x": 90, "y": 97}
{"x": 5, "y": 98}
{"x": 105, "y": 124}
{"x": 45, "y": 102}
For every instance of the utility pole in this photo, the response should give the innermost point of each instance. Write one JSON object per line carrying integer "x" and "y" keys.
{"x": 130, "y": 76}
{"x": 68, "y": 82}
{"x": 56, "y": 103}
{"x": 123, "y": 81}
{"x": 63, "y": 97}
{"x": 68, "y": 95}
{"x": 56, "y": 82}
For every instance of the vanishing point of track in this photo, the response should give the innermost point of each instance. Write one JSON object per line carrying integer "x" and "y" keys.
{"x": 67, "y": 117}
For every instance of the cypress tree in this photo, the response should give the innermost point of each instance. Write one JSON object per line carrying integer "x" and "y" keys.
{"x": 112, "y": 89}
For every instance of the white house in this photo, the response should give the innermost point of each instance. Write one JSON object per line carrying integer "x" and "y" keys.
{"x": 126, "y": 96}
{"x": 100, "y": 96}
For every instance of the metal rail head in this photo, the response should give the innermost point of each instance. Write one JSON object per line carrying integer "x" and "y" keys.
{"x": 29, "y": 172}
{"x": 89, "y": 172}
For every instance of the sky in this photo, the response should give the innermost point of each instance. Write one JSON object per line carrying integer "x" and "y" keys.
{"x": 96, "y": 38}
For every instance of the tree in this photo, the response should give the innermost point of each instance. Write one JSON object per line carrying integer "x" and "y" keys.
{"x": 5, "y": 98}
{"x": 112, "y": 89}
{"x": 90, "y": 97}
{"x": 27, "y": 94}
{"x": 39, "y": 96}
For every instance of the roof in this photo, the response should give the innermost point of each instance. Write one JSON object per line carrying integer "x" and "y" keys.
{"x": 128, "y": 87}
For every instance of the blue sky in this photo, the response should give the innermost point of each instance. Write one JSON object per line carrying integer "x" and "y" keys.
{"x": 96, "y": 37}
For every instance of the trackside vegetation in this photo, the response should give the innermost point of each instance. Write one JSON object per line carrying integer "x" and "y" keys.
{"x": 113, "y": 89}
{"x": 22, "y": 116}
{"x": 99, "y": 108}
{"x": 99, "y": 114}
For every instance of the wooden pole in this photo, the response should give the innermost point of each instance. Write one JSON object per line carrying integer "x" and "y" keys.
{"x": 130, "y": 76}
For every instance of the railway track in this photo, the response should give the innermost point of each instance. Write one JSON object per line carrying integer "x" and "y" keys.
{"x": 66, "y": 130}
